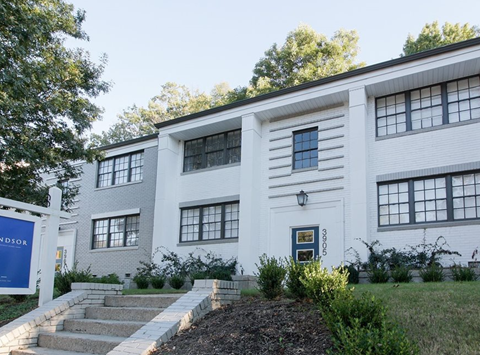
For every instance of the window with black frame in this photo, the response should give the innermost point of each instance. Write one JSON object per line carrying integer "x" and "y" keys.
{"x": 215, "y": 150}
{"x": 120, "y": 170}
{"x": 116, "y": 232}
{"x": 305, "y": 148}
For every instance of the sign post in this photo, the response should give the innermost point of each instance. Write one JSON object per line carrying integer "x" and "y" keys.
{"x": 20, "y": 247}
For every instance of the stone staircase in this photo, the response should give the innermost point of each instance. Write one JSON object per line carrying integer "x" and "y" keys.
{"x": 103, "y": 327}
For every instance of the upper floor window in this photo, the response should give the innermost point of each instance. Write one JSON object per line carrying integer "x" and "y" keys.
{"x": 116, "y": 232}
{"x": 120, "y": 170}
{"x": 219, "y": 149}
{"x": 440, "y": 198}
{"x": 431, "y": 106}
{"x": 305, "y": 148}
{"x": 210, "y": 222}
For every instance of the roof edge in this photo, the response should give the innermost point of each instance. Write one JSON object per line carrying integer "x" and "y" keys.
{"x": 130, "y": 141}
{"x": 323, "y": 81}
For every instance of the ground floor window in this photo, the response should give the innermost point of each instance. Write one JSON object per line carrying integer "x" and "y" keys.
{"x": 219, "y": 221}
{"x": 116, "y": 232}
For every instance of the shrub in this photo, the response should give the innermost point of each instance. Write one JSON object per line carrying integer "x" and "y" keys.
{"x": 432, "y": 273}
{"x": 463, "y": 273}
{"x": 384, "y": 340}
{"x": 65, "y": 278}
{"x": 295, "y": 287}
{"x": 271, "y": 274}
{"x": 401, "y": 274}
{"x": 141, "y": 281}
{"x": 19, "y": 298}
{"x": 367, "y": 310}
{"x": 323, "y": 286}
{"x": 157, "y": 281}
{"x": 176, "y": 281}
{"x": 377, "y": 274}
{"x": 352, "y": 272}
{"x": 109, "y": 279}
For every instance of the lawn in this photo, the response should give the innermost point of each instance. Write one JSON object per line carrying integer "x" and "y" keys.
{"x": 10, "y": 309}
{"x": 442, "y": 318}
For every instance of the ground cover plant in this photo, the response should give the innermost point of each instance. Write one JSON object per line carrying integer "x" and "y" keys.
{"x": 442, "y": 318}
{"x": 11, "y": 309}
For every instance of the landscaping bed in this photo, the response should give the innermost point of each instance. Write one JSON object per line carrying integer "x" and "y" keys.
{"x": 254, "y": 326}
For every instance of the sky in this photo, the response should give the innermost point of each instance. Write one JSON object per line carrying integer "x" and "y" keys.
{"x": 202, "y": 43}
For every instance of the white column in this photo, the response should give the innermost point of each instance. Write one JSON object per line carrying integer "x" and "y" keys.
{"x": 49, "y": 247}
{"x": 358, "y": 168}
{"x": 166, "y": 204}
{"x": 250, "y": 189}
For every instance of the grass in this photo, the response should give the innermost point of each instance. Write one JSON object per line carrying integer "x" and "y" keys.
{"x": 442, "y": 318}
{"x": 250, "y": 292}
{"x": 150, "y": 291}
{"x": 10, "y": 309}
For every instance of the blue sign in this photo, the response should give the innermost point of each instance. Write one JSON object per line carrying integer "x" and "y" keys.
{"x": 16, "y": 247}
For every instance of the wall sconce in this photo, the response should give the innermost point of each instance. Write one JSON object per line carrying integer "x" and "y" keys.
{"x": 302, "y": 198}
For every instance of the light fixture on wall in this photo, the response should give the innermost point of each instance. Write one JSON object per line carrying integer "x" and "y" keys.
{"x": 302, "y": 198}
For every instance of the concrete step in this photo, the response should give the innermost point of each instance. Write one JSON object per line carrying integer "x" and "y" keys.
{"x": 46, "y": 351}
{"x": 135, "y": 314}
{"x": 146, "y": 301}
{"x": 89, "y": 343}
{"x": 102, "y": 327}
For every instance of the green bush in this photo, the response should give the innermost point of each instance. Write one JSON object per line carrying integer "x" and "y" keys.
{"x": 360, "y": 340}
{"x": 353, "y": 273}
{"x": 323, "y": 286}
{"x": 432, "y": 273}
{"x": 109, "y": 279}
{"x": 64, "y": 279}
{"x": 377, "y": 274}
{"x": 176, "y": 281}
{"x": 141, "y": 281}
{"x": 463, "y": 273}
{"x": 19, "y": 298}
{"x": 157, "y": 281}
{"x": 270, "y": 276}
{"x": 366, "y": 310}
{"x": 401, "y": 274}
{"x": 295, "y": 287}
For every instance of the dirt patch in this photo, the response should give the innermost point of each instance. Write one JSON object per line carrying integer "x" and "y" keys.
{"x": 254, "y": 327}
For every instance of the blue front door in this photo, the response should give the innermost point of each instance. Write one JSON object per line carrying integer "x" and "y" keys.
{"x": 305, "y": 243}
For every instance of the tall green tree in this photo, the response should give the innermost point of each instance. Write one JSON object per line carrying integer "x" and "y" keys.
{"x": 45, "y": 92}
{"x": 173, "y": 101}
{"x": 305, "y": 56}
{"x": 432, "y": 36}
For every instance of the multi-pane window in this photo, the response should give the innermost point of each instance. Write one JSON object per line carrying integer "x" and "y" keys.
{"x": 393, "y": 203}
{"x": 209, "y": 222}
{"x": 116, "y": 232}
{"x": 216, "y": 150}
{"x": 466, "y": 196}
{"x": 431, "y": 106}
{"x": 120, "y": 170}
{"x": 305, "y": 148}
{"x": 434, "y": 199}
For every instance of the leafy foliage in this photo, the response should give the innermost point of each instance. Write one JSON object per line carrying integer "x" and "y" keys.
{"x": 142, "y": 281}
{"x": 158, "y": 281}
{"x": 352, "y": 272}
{"x": 323, "y": 286}
{"x": 64, "y": 279}
{"x": 176, "y": 281}
{"x": 378, "y": 274}
{"x": 463, "y": 273}
{"x": 431, "y": 36}
{"x": 270, "y": 276}
{"x": 295, "y": 270}
{"x": 45, "y": 92}
{"x": 401, "y": 273}
{"x": 432, "y": 273}
{"x": 108, "y": 279}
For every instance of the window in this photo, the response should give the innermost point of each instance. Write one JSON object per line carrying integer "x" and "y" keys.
{"x": 431, "y": 106}
{"x": 434, "y": 199}
{"x": 216, "y": 150}
{"x": 305, "y": 148}
{"x": 209, "y": 222}
{"x": 120, "y": 170}
{"x": 116, "y": 232}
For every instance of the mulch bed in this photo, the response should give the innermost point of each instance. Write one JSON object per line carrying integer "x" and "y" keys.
{"x": 254, "y": 327}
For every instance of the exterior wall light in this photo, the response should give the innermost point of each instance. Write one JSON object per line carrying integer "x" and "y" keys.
{"x": 302, "y": 198}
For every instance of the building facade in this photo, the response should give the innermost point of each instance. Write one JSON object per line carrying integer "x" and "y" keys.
{"x": 389, "y": 152}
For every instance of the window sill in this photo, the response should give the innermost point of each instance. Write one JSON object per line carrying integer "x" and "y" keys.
{"x": 207, "y": 242}
{"x": 294, "y": 171}
{"x": 101, "y": 250}
{"x": 118, "y": 185}
{"x": 429, "y": 129}
{"x": 428, "y": 225}
{"x": 210, "y": 169}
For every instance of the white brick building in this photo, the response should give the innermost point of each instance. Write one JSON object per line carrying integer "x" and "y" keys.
{"x": 389, "y": 152}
